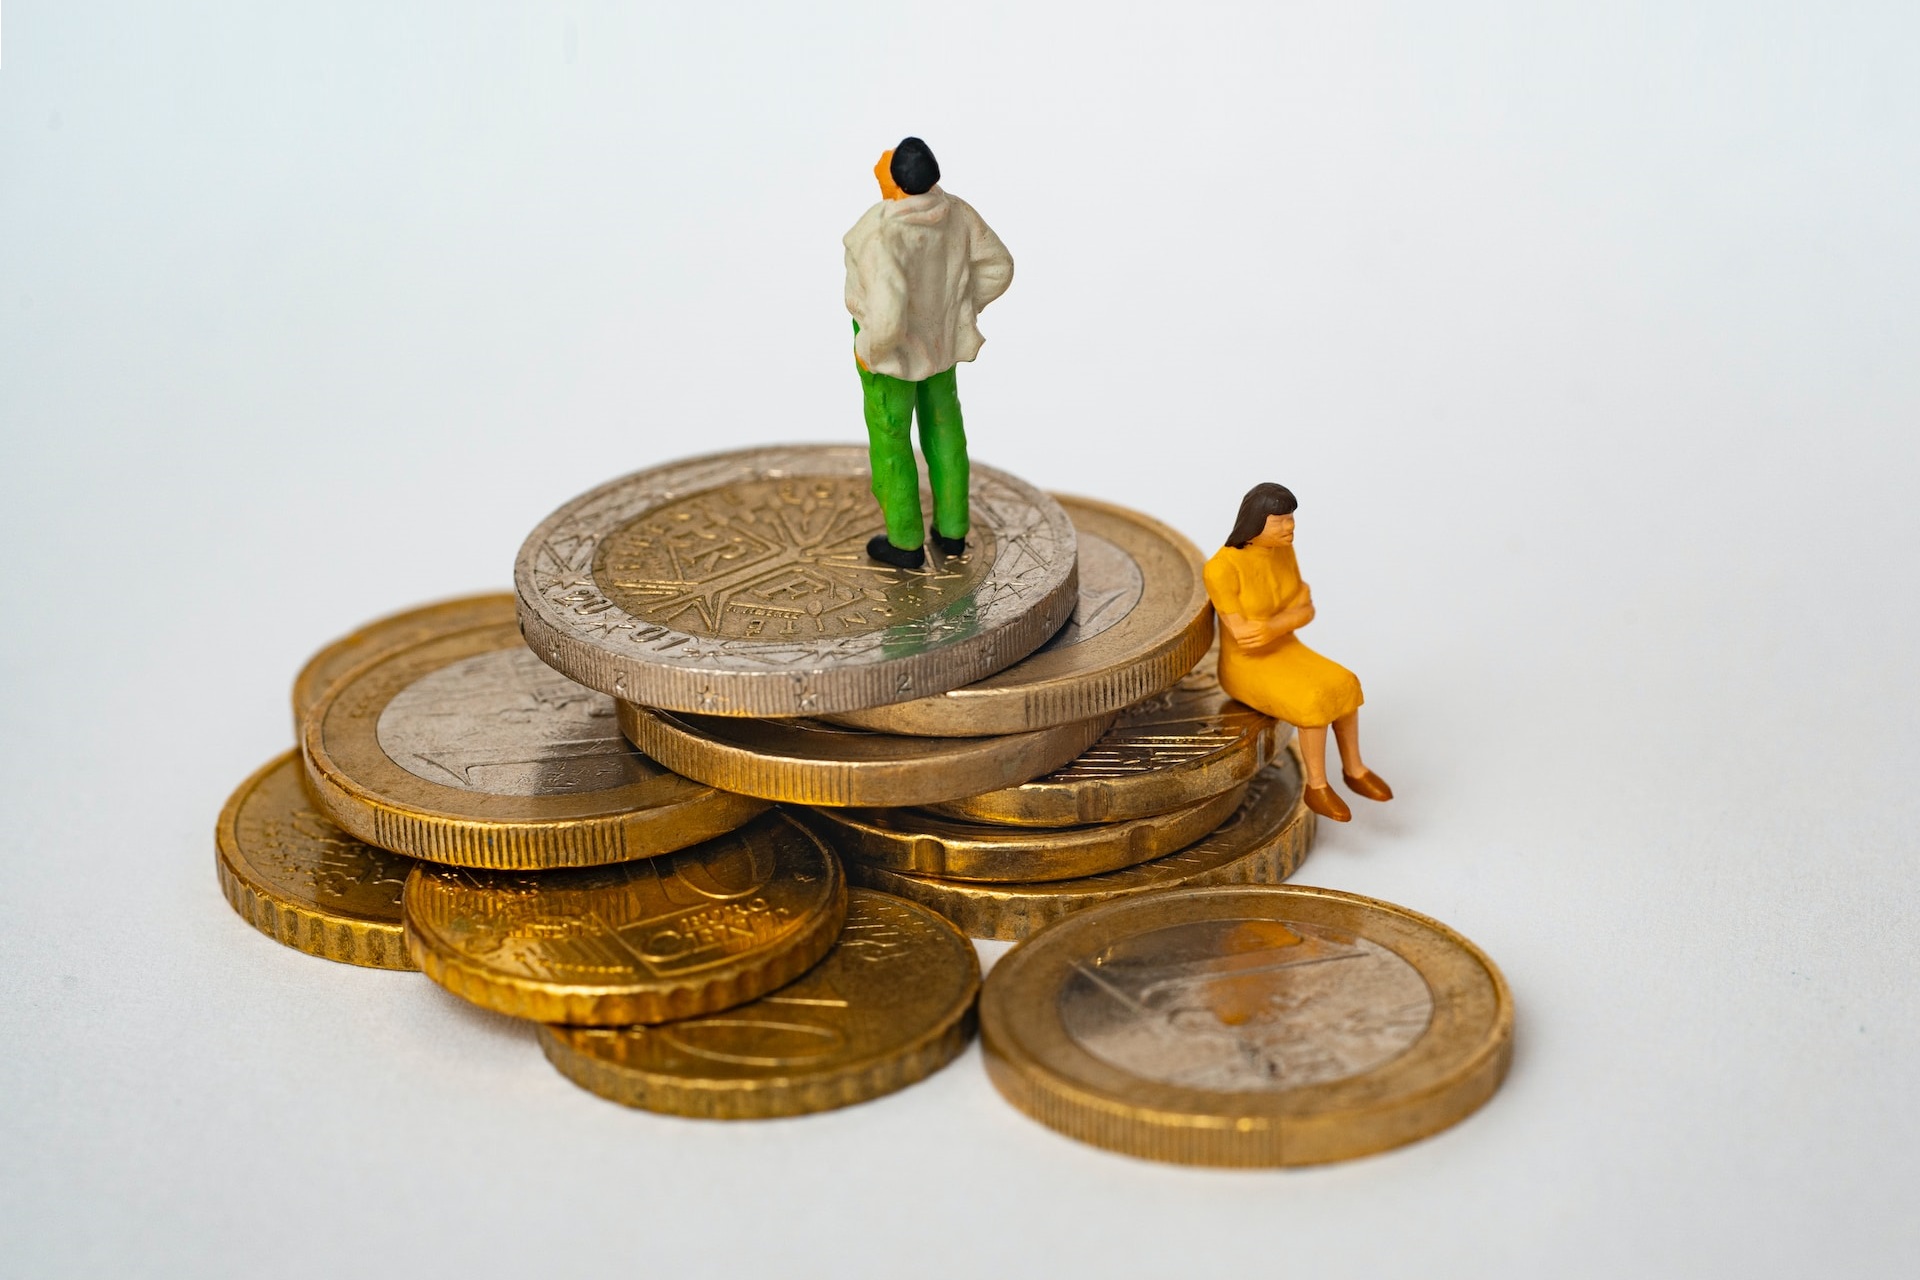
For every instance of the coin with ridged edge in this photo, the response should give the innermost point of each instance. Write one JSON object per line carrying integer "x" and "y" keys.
{"x": 814, "y": 762}
{"x": 892, "y": 1003}
{"x": 739, "y": 584}
{"x": 1263, "y": 842}
{"x": 466, "y": 749}
{"x": 1141, "y": 621}
{"x": 1173, "y": 749}
{"x": 395, "y": 631}
{"x": 304, "y": 882}
{"x": 687, "y": 934}
{"x": 917, "y": 842}
{"x": 1247, "y": 1026}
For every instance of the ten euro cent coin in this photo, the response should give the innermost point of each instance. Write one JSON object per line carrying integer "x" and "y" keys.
{"x": 675, "y": 937}
{"x": 890, "y": 1004}
{"x": 304, "y": 882}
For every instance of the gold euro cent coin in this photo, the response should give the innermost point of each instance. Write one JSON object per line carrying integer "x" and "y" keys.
{"x": 304, "y": 882}
{"x": 917, "y": 842}
{"x": 817, "y": 763}
{"x": 739, "y": 584}
{"x": 1140, "y": 622}
{"x": 395, "y": 631}
{"x": 1247, "y": 1026}
{"x": 892, "y": 1003}
{"x": 466, "y": 749}
{"x": 679, "y": 936}
{"x": 1262, "y": 842}
{"x": 1172, "y": 749}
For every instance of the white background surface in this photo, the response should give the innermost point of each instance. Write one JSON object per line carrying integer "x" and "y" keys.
{"x": 1585, "y": 332}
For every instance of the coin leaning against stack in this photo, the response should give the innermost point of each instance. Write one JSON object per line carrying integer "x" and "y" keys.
{"x": 714, "y": 798}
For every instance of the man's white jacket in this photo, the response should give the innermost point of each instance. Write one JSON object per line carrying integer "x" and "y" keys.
{"x": 919, "y": 270}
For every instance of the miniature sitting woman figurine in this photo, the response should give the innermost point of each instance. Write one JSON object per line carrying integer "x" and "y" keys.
{"x": 1254, "y": 583}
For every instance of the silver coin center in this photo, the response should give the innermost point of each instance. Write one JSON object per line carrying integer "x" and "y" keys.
{"x": 506, "y": 724}
{"x": 1236, "y": 1006}
{"x": 1111, "y": 584}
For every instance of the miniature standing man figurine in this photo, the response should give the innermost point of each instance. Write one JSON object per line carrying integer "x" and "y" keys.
{"x": 1254, "y": 583}
{"x": 920, "y": 267}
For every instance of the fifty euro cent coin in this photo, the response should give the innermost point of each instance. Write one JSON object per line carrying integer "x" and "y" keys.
{"x": 892, "y": 1003}
{"x": 1262, "y": 842}
{"x": 814, "y": 762}
{"x": 675, "y": 937}
{"x": 1172, "y": 749}
{"x": 1141, "y": 621}
{"x": 395, "y": 631}
{"x": 466, "y": 749}
{"x": 926, "y": 844}
{"x": 304, "y": 882}
{"x": 1247, "y": 1026}
{"x": 739, "y": 584}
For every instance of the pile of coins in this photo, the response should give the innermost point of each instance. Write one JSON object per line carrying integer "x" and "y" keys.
{"x": 714, "y": 799}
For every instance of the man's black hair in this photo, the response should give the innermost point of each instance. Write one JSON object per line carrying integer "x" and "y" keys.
{"x": 914, "y": 170}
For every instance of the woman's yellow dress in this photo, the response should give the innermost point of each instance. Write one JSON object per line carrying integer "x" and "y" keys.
{"x": 1289, "y": 682}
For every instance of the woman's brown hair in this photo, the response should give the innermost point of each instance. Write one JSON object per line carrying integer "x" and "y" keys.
{"x": 1262, "y": 500}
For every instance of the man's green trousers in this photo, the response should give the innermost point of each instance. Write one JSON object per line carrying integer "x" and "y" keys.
{"x": 890, "y": 405}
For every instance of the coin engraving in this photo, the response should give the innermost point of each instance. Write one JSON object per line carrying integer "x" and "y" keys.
{"x": 1240, "y": 1005}
{"x": 777, "y": 558}
{"x": 295, "y": 851}
{"x": 890, "y": 1003}
{"x": 659, "y": 919}
{"x": 738, "y": 584}
{"x": 1191, "y": 721}
{"x": 1111, "y": 584}
{"x": 505, "y": 723}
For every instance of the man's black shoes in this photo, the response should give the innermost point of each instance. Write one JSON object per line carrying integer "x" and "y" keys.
{"x": 878, "y": 548}
{"x": 948, "y": 546}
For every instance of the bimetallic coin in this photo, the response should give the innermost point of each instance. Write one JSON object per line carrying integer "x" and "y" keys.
{"x": 675, "y": 937}
{"x": 892, "y": 1003}
{"x": 739, "y": 584}
{"x": 466, "y": 749}
{"x": 1173, "y": 749}
{"x": 395, "y": 631}
{"x": 1142, "y": 620}
{"x": 1263, "y": 842}
{"x": 921, "y": 843}
{"x": 1247, "y": 1026}
{"x": 304, "y": 882}
{"x": 813, "y": 762}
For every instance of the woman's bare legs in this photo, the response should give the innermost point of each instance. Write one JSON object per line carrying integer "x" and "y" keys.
{"x": 1313, "y": 752}
{"x": 1346, "y": 733}
{"x": 1359, "y": 779}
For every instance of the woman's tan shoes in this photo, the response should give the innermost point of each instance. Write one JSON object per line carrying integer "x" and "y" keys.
{"x": 1324, "y": 802}
{"x": 1369, "y": 784}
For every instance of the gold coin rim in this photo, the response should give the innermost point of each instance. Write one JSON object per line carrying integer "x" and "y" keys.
{"x": 746, "y": 977}
{"x": 939, "y": 768}
{"x": 1012, "y": 912}
{"x": 799, "y": 1093}
{"x": 1045, "y": 803}
{"x": 392, "y": 631}
{"x": 1445, "y": 1075}
{"x": 371, "y": 797}
{"x": 304, "y": 926}
{"x": 928, "y": 844}
{"x": 1147, "y": 651}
